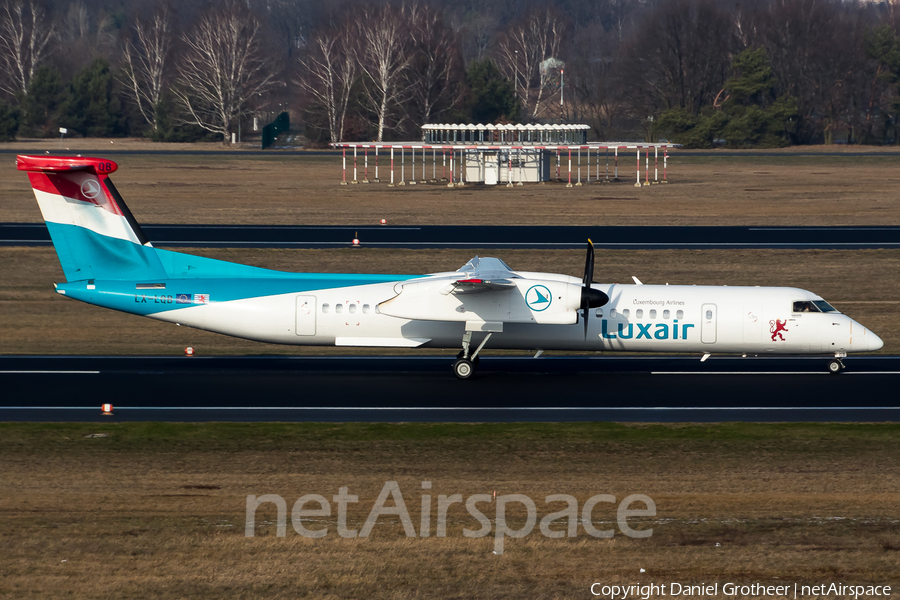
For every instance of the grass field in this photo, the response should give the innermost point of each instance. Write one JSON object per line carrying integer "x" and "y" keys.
{"x": 158, "y": 510}
{"x": 781, "y": 188}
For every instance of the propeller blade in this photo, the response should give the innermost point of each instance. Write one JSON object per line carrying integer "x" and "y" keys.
{"x": 588, "y": 265}
{"x": 590, "y": 298}
{"x": 585, "y": 308}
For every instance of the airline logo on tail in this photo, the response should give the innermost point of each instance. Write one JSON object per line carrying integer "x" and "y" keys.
{"x": 90, "y": 188}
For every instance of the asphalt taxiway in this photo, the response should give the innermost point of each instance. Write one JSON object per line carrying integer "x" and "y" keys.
{"x": 490, "y": 237}
{"x": 403, "y": 388}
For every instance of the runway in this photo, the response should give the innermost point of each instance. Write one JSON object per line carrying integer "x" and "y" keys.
{"x": 395, "y": 388}
{"x": 490, "y": 237}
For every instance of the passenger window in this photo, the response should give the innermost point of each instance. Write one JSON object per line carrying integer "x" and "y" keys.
{"x": 666, "y": 314}
{"x": 599, "y": 313}
{"x": 653, "y": 313}
{"x": 325, "y": 308}
{"x": 365, "y": 309}
{"x": 679, "y": 314}
{"x": 351, "y": 308}
{"x": 626, "y": 313}
{"x": 612, "y": 313}
{"x": 338, "y": 308}
{"x": 802, "y": 306}
{"x": 639, "y": 313}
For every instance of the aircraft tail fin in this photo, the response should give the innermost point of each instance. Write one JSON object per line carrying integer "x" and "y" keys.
{"x": 94, "y": 233}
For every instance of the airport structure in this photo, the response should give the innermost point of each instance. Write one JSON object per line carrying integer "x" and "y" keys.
{"x": 503, "y": 154}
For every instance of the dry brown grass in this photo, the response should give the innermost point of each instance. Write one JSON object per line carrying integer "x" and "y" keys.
{"x": 35, "y": 320}
{"x": 297, "y": 188}
{"x": 151, "y": 514}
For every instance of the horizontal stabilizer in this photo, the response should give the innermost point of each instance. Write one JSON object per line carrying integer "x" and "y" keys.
{"x": 63, "y": 164}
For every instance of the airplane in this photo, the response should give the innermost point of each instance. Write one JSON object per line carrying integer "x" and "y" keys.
{"x": 108, "y": 261}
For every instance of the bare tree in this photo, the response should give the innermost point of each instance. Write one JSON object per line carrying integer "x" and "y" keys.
{"x": 595, "y": 71}
{"x": 145, "y": 56}
{"x": 384, "y": 56}
{"x": 679, "y": 57}
{"x": 477, "y": 32}
{"x": 522, "y": 49}
{"x": 816, "y": 74}
{"x": 290, "y": 23}
{"x": 329, "y": 70}
{"x": 85, "y": 35}
{"x": 222, "y": 68}
{"x": 436, "y": 68}
{"x": 25, "y": 36}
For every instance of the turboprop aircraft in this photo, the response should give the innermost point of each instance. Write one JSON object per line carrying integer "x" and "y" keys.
{"x": 108, "y": 261}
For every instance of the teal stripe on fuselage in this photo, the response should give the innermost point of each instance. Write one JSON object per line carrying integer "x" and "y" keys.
{"x": 123, "y": 295}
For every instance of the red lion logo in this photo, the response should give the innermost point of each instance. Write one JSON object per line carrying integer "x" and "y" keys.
{"x": 776, "y": 327}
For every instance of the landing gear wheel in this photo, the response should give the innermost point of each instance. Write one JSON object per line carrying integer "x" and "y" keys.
{"x": 835, "y": 367}
{"x": 463, "y": 368}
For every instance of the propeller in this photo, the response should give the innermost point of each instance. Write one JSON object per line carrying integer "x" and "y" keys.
{"x": 590, "y": 298}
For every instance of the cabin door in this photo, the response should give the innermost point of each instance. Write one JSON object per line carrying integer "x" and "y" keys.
{"x": 306, "y": 315}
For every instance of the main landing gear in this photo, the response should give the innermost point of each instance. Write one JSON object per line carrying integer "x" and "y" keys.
{"x": 837, "y": 365}
{"x": 465, "y": 364}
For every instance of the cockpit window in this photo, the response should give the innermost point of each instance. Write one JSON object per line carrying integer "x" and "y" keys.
{"x": 824, "y": 306}
{"x": 804, "y": 306}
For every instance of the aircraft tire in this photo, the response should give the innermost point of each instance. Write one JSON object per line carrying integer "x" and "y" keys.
{"x": 463, "y": 368}
{"x": 835, "y": 367}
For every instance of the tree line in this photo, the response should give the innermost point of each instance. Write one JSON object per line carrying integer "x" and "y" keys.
{"x": 698, "y": 72}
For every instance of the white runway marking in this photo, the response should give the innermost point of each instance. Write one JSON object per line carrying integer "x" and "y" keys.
{"x": 770, "y": 373}
{"x": 49, "y": 372}
{"x": 447, "y": 408}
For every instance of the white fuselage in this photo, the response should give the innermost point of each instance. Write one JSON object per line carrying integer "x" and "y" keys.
{"x": 638, "y": 318}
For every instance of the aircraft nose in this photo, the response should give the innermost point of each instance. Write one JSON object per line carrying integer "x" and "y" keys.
{"x": 875, "y": 342}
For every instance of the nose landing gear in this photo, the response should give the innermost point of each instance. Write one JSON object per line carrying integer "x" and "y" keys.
{"x": 837, "y": 365}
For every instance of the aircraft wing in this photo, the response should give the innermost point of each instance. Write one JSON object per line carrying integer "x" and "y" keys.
{"x": 485, "y": 290}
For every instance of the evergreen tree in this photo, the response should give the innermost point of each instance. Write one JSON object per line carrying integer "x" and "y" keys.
{"x": 493, "y": 96}
{"x": 9, "y": 122}
{"x": 169, "y": 128}
{"x": 40, "y": 107}
{"x": 882, "y": 44}
{"x": 91, "y": 108}
{"x": 752, "y": 114}
{"x": 756, "y": 115}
